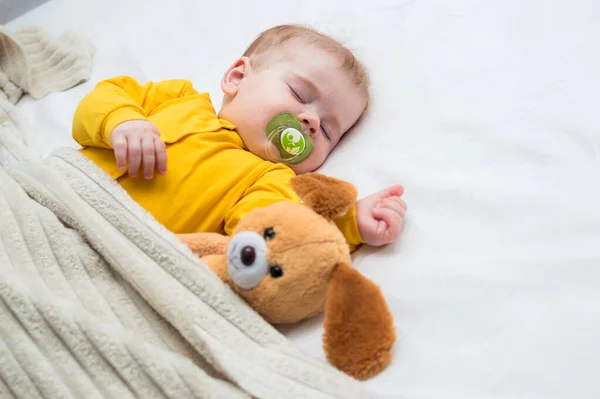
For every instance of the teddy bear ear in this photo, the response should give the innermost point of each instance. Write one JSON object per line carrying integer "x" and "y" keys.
{"x": 359, "y": 327}
{"x": 327, "y": 196}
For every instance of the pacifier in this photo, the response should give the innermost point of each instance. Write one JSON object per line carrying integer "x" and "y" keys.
{"x": 287, "y": 142}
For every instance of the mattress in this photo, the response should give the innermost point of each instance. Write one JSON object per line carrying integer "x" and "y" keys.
{"x": 487, "y": 113}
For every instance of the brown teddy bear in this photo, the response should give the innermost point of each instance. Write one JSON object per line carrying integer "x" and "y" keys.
{"x": 290, "y": 262}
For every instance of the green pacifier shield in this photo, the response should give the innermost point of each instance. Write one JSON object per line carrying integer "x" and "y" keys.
{"x": 285, "y": 132}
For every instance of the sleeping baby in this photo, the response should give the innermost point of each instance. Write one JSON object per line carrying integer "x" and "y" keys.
{"x": 287, "y": 102}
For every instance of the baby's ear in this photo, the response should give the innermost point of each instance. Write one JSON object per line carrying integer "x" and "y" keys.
{"x": 327, "y": 196}
{"x": 359, "y": 328}
{"x": 230, "y": 82}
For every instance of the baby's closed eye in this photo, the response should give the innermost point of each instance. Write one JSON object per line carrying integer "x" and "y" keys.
{"x": 297, "y": 95}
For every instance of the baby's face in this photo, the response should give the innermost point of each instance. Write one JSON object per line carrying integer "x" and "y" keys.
{"x": 305, "y": 81}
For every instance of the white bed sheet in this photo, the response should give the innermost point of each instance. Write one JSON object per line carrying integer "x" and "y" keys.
{"x": 486, "y": 111}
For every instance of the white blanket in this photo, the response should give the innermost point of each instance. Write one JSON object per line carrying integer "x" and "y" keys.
{"x": 99, "y": 300}
{"x": 485, "y": 110}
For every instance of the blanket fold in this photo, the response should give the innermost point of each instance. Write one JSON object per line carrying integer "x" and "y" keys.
{"x": 34, "y": 61}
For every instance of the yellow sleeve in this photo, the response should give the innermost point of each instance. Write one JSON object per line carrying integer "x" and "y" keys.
{"x": 274, "y": 187}
{"x": 349, "y": 227}
{"x": 121, "y": 99}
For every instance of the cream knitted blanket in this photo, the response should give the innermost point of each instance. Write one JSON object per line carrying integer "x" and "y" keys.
{"x": 34, "y": 61}
{"x": 99, "y": 300}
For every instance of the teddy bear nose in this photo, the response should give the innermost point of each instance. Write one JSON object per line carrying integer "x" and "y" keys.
{"x": 248, "y": 255}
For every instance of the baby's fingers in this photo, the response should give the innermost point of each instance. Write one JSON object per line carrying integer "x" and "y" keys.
{"x": 393, "y": 221}
{"x": 119, "y": 143}
{"x": 161, "y": 155}
{"x": 394, "y": 204}
{"x": 134, "y": 155}
{"x": 393, "y": 191}
{"x": 401, "y": 202}
{"x": 148, "y": 156}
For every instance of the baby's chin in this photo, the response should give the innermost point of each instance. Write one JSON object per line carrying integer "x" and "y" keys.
{"x": 304, "y": 167}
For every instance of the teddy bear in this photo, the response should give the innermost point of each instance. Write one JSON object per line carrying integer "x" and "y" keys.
{"x": 290, "y": 262}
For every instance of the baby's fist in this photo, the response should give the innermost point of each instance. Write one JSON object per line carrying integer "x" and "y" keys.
{"x": 380, "y": 216}
{"x": 137, "y": 144}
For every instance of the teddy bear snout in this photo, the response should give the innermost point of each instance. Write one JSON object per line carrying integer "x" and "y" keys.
{"x": 247, "y": 262}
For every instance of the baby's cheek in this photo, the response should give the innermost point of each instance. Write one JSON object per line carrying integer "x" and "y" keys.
{"x": 323, "y": 149}
{"x": 318, "y": 156}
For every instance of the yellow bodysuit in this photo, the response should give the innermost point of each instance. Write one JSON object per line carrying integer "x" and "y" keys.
{"x": 212, "y": 180}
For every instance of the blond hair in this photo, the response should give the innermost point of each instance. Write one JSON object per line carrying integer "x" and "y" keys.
{"x": 275, "y": 37}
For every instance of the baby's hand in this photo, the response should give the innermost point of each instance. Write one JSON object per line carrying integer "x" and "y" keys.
{"x": 136, "y": 142}
{"x": 380, "y": 216}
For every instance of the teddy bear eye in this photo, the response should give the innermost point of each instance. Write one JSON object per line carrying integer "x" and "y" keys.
{"x": 275, "y": 271}
{"x": 269, "y": 233}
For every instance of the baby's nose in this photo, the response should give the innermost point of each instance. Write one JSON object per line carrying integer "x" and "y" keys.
{"x": 310, "y": 125}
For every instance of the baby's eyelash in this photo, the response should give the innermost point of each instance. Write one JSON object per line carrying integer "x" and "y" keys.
{"x": 325, "y": 133}
{"x": 296, "y": 95}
